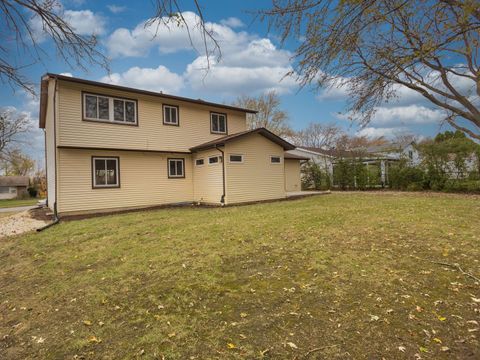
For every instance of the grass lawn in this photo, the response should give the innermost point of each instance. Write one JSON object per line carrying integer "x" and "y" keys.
{"x": 17, "y": 202}
{"x": 327, "y": 277}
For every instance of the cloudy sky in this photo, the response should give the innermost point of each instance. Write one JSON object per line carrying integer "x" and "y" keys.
{"x": 157, "y": 58}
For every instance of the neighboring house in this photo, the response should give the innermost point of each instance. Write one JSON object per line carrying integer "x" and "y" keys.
{"x": 12, "y": 187}
{"x": 110, "y": 147}
{"x": 324, "y": 158}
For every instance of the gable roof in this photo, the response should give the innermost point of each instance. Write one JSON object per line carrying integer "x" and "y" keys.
{"x": 14, "y": 180}
{"x": 261, "y": 131}
{"x": 47, "y": 76}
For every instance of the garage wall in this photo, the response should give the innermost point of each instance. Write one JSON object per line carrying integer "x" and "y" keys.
{"x": 292, "y": 175}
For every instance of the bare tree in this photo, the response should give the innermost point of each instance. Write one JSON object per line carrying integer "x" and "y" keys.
{"x": 12, "y": 124}
{"x": 20, "y": 45}
{"x": 269, "y": 115}
{"x": 374, "y": 48}
{"x": 317, "y": 135}
{"x": 17, "y": 163}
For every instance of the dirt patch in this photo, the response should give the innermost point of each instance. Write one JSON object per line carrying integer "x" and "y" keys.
{"x": 43, "y": 214}
{"x": 19, "y": 223}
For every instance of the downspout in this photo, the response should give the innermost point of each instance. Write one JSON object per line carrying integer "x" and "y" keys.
{"x": 222, "y": 199}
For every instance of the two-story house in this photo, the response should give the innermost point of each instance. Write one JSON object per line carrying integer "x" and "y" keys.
{"x": 111, "y": 148}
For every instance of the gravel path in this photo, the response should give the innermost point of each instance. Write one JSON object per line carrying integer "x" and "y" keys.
{"x": 18, "y": 224}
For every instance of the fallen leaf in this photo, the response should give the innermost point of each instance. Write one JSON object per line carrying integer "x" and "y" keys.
{"x": 231, "y": 346}
{"x": 172, "y": 335}
{"x": 445, "y": 348}
{"x": 87, "y": 322}
{"x": 94, "y": 339}
{"x": 292, "y": 345}
{"x": 402, "y": 348}
{"x": 243, "y": 315}
{"x": 437, "y": 340}
{"x": 374, "y": 318}
{"x": 423, "y": 349}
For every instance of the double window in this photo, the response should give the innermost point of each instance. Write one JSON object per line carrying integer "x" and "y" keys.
{"x": 176, "y": 168}
{"x": 112, "y": 109}
{"x": 170, "y": 115}
{"x": 218, "y": 123}
{"x": 105, "y": 172}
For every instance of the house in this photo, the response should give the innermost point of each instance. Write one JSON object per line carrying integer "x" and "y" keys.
{"x": 12, "y": 187}
{"x": 111, "y": 148}
{"x": 323, "y": 158}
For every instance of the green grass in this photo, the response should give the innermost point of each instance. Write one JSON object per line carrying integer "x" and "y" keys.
{"x": 17, "y": 202}
{"x": 328, "y": 277}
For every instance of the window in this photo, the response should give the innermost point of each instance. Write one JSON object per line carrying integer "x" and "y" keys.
{"x": 275, "y": 159}
{"x": 176, "y": 168}
{"x": 410, "y": 154}
{"x": 214, "y": 160}
{"x": 4, "y": 189}
{"x": 234, "y": 158}
{"x": 199, "y": 162}
{"x": 170, "y": 115}
{"x": 218, "y": 123}
{"x": 104, "y": 108}
{"x": 105, "y": 172}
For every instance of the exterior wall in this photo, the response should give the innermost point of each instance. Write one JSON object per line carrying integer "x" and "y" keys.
{"x": 256, "y": 178}
{"x": 8, "y": 192}
{"x": 207, "y": 179}
{"x": 143, "y": 181}
{"x": 150, "y": 134}
{"x": 292, "y": 175}
{"x": 50, "y": 146}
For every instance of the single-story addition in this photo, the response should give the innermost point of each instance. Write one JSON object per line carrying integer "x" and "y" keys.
{"x": 12, "y": 187}
{"x": 111, "y": 148}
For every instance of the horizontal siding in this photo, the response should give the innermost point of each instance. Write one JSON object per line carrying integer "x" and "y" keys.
{"x": 150, "y": 134}
{"x": 207, "y": 179}
{"x": 143, "y": 181}
{"x": 292, "y": 175}
{"x": 256, "y": 178}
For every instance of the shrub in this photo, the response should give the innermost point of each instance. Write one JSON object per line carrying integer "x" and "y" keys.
{"x": 313, "y": 177}
{"x": 466, "y": 186}
{"x": 33, "y": 192}
{"x": 404, "y": 177}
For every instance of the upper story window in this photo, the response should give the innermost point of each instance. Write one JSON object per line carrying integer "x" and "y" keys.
{"x": 218, "y": 123}
{"x": 107, "y": 108}
{"x": 170, "y": 115}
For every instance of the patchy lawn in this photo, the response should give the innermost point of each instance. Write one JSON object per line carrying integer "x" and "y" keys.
{"x": 17, "y": 202}
{"x": 337, "y": 276}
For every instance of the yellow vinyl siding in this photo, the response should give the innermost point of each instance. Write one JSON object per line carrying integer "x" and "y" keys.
{"x": 292, "y": 175}
{"x": 207, "y": 179}
{"x": 256, "y": 178}
{"x": 50, "y": 145}
{"x": 143, "y": 181}
{"x": 150, "y": 134}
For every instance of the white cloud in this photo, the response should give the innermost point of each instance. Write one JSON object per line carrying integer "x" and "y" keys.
{"x": 67, "y": 74}
{"x": 171, "y": 37}
{"x": 372, "y": 132}
{"x": 232, "y": 22}
{"x": 404, "y": 115}
{"x": 159, "y": 79}
{"x": 85, "y": 22}
{"x": 116, "y": 9}
{"x": 248, "y": 64}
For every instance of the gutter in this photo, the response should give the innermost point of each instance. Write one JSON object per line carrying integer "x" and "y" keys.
{"x": 222, "y": 199}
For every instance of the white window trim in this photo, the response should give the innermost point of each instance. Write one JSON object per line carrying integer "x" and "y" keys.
{"x": 211, "y": 124}
{"x": 200, "y": 164}
{"x": 110, "y": 109}
{"x": 275, "y": 163}
{"x": 117, "y": 177}
{"x": 165, "y": 107}
{"x": 215, "y": 156}
{"x": 235, "y": 162}
{"x": 183, "y": 168}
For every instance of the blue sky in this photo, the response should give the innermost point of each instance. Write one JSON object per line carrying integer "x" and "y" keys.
{"x": 253, "y": 62}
